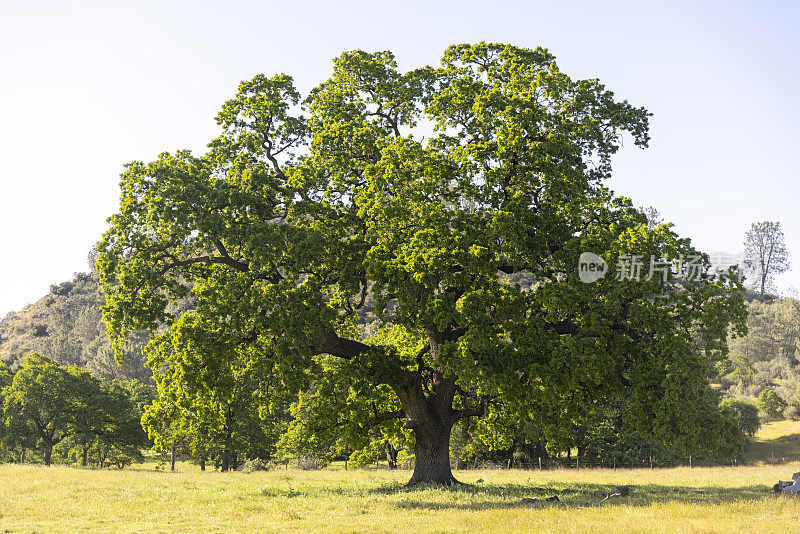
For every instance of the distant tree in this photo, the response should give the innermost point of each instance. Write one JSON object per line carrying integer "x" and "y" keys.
{"x": 654, "y": 218}
{"x": 215, "y": 407}
{"x": 42, "y": 396}
{"x": 106, "y": 419}
{"x": 766, "y": 254}
{"x": 47, "y": 405}
{"x": 745, "y": 413}
{"x": 770, "y": 404}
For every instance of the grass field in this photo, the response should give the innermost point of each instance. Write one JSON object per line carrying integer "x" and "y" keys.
{"x": 776, "y": 442}
{"x": 142, "y": 499}
{"x": 64, "y": 499}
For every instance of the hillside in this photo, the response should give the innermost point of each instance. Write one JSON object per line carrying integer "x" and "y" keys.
{"x": 66, "y": 326}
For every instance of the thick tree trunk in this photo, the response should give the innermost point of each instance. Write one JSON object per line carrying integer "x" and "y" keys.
{"x": 85, "y": 456}
{"x": 203, "y": 464}
{"x": 48, "y": 453}
{"x": 172, "y": 457}
{"x": 432, "y": 455}
{"x": 430, "y": 416}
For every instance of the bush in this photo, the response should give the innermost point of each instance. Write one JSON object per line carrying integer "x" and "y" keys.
{"x": 256, "y": 464}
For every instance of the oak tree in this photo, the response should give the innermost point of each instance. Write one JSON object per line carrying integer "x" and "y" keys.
{"x": 429, "y": 192}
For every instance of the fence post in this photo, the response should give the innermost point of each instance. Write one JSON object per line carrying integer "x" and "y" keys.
{"x": 690, "y": 460}
{"x": 345, "y": 464}
{"x": 540, "y": 463}
{"x": 475, "y": 466}
{"x": 615, "y": 464}
{"x": 651, "y": 462}
{"x": 509, "y": 464}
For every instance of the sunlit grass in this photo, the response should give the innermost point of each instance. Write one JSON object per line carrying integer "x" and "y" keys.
{"x": 64, "y": 499}
{"x": 778, "y": 429}
{"x": 775, "y": 442}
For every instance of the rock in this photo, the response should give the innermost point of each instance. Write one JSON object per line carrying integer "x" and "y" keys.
{"x": 792, "y": 488}
{"x": 787, "y": 487}
{"x": 777, "y": 488}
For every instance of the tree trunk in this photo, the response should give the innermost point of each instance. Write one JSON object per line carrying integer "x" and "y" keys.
{"x": 48, "y": 453}
{"x": 225, "y": 460}
{"x": 84, "y": 457}
{"x": 432, "y": 455}
{"x": 22, "y": 456}
{"x": 203, "y": 464}
{"x": 172, "y": 457}
{"x": 391, "y": 455}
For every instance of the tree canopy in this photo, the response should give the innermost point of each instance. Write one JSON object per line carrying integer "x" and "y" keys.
{"x": 432, "y": 192}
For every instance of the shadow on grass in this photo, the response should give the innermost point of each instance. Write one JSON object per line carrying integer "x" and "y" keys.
{"x": 499, "y": 496}
{"x": 779, "y": 450}
{"x": 587, "y": 495}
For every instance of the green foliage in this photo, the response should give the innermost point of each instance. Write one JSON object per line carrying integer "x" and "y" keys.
{"x": 745, "y": 413}
{"x": 770, "y": 404}
{"x": 41, "y": 401}
{"x": 300, "y": 210}
{"x": 210, "y": 394}
{"x": 48, "y": 406}
{"x": 765, "y": 358}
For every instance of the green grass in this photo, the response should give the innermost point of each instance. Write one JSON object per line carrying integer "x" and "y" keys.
{"x": 65, "y": 499}
{"x": 721, "y": 499}
{"x": 775, "y": 442}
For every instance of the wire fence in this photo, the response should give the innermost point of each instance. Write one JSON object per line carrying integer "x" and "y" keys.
{"x": 546, "y": 463}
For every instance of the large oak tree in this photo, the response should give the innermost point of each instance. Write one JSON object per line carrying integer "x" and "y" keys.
{"x": 430, "y": 192}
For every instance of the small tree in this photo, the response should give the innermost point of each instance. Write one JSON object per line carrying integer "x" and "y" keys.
{"x": 766, "y": 254}
{"x": 745, "y": 413}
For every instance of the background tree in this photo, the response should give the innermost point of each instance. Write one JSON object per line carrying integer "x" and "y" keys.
{"x": 745, "y": 413}
{"x": 654, "y": 217}
{"x": 766, "y": 254}
{"x": 210, "y": 398}
{"x": 286, "y": 225}
{"x": 107, "y": 420}
{"x": 42, "y": 395}
{"x": 770, "y": 404}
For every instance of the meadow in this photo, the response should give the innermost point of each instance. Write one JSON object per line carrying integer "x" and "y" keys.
{"x": 144, "y": 499}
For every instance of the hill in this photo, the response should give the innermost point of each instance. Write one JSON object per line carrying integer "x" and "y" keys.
{"x": 66, "y": 325}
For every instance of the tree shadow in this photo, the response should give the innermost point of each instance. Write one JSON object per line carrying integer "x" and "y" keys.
{"x": 581, "y": 495}
{"x": 482, "y": 496}
{"x": 777, "y": 450}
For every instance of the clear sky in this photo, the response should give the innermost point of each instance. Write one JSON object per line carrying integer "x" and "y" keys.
{"x": 88, "y": 86}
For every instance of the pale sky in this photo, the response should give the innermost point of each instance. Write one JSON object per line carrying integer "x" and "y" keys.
{"x": 88, "y": 86}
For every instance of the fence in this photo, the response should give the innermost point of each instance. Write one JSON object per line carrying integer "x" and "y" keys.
{"x": 549, "y": 463}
